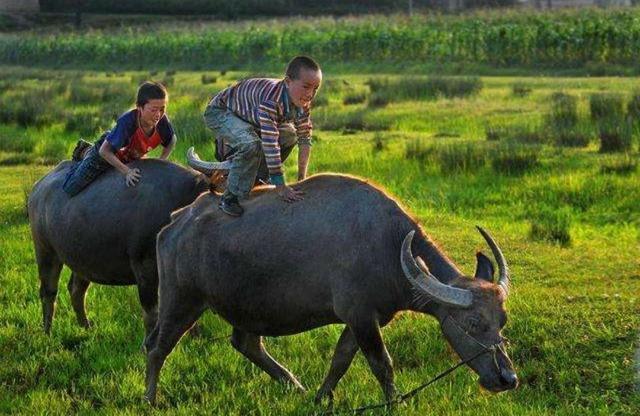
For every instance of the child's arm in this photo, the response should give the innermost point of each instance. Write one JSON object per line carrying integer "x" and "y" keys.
{"x": 304, "y": 151}
{"x": 269, "y": 135}
{"x": 132, "y": 176}
{"x": 303, "y": 131}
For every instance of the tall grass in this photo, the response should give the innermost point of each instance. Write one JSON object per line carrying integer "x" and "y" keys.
{"x": 615, "y": 135}
{"x": 521, "y": 133}
{"x": 562, "y": 122}
{"x": 614, "y": 129}
{"x": 606, "y": 106}
{"x": 556, "y": 38}
{"x": 575, "y": 359}
{"x": 417, "y": 88}
{"x": 514, "y": 159}
{"x": 552, "y": 225}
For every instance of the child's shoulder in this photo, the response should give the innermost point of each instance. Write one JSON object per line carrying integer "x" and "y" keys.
{"x": 128, "y": 117}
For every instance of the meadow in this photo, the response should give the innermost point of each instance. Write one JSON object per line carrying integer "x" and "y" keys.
{"x": 532, "y": 159}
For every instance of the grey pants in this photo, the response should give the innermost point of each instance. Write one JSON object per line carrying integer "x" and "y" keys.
{"x": 241, "y": 143}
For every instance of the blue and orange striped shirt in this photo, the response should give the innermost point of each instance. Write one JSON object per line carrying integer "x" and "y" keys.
{"x": 264, "y": 103}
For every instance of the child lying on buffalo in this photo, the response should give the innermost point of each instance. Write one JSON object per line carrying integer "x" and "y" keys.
{"x": 137, "y": 132}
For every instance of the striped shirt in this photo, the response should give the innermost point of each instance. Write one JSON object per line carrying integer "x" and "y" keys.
{"x": 265, "y": 104}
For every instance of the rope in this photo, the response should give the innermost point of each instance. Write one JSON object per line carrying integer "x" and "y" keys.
{"x": 404, "y": 397}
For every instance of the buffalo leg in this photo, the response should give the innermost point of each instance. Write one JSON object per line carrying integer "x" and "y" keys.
{"x": 370, "y": 342}
{"x": 345, "y": 351}
{"x": 177, "y": 315}
{"x": 147, "y": 281}
{"x": 49, "y": 272}
{"x": 78, "y": 289}
{"x": 149, "y": 301}
{"x": 251, "y": 347}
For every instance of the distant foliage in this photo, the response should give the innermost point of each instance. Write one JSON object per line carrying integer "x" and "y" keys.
{"x": 255, "y": 8}
{"x": 564, "y": 39}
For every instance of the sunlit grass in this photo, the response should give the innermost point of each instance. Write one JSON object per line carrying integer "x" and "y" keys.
{"x": 574, "y": 313}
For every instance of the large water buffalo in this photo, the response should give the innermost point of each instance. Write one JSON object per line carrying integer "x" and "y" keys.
{"x": 106, "y": 234}
{"x": 342, "y": 255}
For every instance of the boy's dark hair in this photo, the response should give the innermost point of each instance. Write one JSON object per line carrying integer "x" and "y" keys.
{"x": 298, "y": 63}
{"x": 150, "y": 90}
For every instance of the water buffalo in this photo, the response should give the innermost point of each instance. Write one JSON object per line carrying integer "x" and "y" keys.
{"x": 107, "y": 233}
{"x": 342, "y": 255}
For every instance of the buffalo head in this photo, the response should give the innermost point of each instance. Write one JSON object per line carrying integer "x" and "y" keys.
{"x": 471, "y": 312}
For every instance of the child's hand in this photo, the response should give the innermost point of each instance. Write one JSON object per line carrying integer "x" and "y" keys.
{"x": 133, "y": 176}
{"x": 289, "y": 194}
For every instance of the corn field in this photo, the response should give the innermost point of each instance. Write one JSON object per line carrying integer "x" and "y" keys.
{"x": 504, "y": 39}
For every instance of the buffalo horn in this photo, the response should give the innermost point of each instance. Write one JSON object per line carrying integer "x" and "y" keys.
{"x": 205, "y": 167}
{"x": 503, "y": 280}
{"x": 423, "y": 281}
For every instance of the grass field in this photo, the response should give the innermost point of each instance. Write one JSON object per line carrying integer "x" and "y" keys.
{"x": 467, "y": 151}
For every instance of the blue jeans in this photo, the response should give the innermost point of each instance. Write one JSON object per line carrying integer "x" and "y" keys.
{"x": 84, "y": 172}
{"x": 240, "y": 141}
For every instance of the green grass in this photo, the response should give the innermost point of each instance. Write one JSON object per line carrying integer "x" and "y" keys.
{"x": 594, "y": 41}
{"x": 574, "y": 312}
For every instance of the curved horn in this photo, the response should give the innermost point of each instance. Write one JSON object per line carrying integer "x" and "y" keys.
{"x": 503, "y": 280}
{"x": 207, "y": 168}
{"x": 423, "y": 281}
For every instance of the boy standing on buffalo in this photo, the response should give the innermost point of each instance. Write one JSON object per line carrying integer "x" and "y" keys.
{"x": 136, "y": 133}
{"x": 252, "y": 124}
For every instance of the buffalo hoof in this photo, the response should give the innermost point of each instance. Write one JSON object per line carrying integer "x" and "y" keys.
{"x": 86, "y": 324}
{"x": 324, "y": 395}
{"x": 150, "y": 398}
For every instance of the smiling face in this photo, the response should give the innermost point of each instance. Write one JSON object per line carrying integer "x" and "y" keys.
{"x": 304, "y": 87}
{"x": 152, "y": 112}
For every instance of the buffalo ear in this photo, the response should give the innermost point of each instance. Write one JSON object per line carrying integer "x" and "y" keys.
{"x": 484, "y": 267}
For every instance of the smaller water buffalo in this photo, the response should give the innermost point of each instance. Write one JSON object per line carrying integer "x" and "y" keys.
{"x": 106, "y": 234}
{"x": 342, "y": 255}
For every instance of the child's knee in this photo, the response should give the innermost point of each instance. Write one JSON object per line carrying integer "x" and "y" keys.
{"x": 249, "y": 150}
